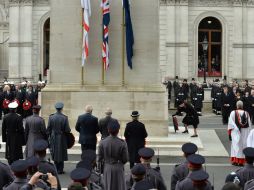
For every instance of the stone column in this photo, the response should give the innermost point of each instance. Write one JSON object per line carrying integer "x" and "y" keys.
{"x": 26, "y": 38}
{"x": 14, "y": 68}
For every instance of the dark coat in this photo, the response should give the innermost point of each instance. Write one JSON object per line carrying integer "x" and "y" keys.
{"x": 87, "y": 126}
{"x": 103, "y": 126}
{"x": 16, "y": 184}
{"x": 198, "y": 98}
{"x": 225, "y": 100}
{"x": 35, "y": 129}
{"x": 58, "y": 126}
{"x": 179, "y": 173}
{"x": 6, "y": 176}
{"x": 135, "y": 134}
{"x": 246, "y": 173}
{"x": 14, "y": 136}
{"x": 113, "y": 151}
{"x": 191, "y": 117}
{"x": 251, "y": 101}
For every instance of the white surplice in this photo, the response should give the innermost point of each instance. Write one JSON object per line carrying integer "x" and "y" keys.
{"x": 239, "y": 138}
{"x": 250, "y": 139}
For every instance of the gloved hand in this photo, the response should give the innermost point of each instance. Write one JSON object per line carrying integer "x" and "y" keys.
{"x": 230, "y": 137}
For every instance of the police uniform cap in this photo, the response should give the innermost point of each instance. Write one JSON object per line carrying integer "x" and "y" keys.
{"x": 40, "y": 145}
{"x": 32, "y": 161}
{"x": 113, "y": 126}
{"x": 13, "y": 105}
{"x": 138, "y": 169}
{"x": 85, "y": 164}
{"x": 59, "y": 105}
{"x": 196, "y": 159}
{"x": 80, "y": 174}
{"x": 37, "y": 107}
{"x": 199, "y": 175}
{"x": 146, "y": 153}
{"x": 88, "y": 155}
{"x": 189, "y": 148}
{"x": 19, "y": 166}
{"x": 249, "y": 152}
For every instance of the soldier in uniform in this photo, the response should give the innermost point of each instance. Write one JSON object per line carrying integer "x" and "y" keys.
{"x": 152, "y": 175}
{"x": 176, "y": 87}
{"x": 138, "y": 173}
{"x": 45, "y": 166}
{"x": 217, "y": 99}
{"x": 81, "y": 175}
{"x": 195, "y": 162}
{"x": 213, "y": 86}
{"x": 181, "y": 95}
{"x": 247, "y": 172}
{"x": 87, "y": 126}
{"x": 58, "y": 126}
{"x": 35, "y": 129}
{"x": 227, "y": 104}
{"x": 193, "y": 90}
{"x": 185, "y": 88}
{"x": 135, "y": 135}
{"x": 198, "y": 98}
{"x": 6, "y": 177}
{"x": 114, "y": 153}
{"x": 103, "y": 123}
{"x": 181, "y": 170}
{"x": 13, "y": 134}
{"x": 200, "y": 180}
{"x": 19, "y": 169}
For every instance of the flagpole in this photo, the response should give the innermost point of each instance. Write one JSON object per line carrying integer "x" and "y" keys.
{"x": 82, "y": 33}
{"x": 102, "y": 65}
{"x": 123, "y": 47}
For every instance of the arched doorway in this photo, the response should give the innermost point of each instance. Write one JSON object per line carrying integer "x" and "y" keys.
{"x": 211, "y": 29}
{"x": 46, "y": 46}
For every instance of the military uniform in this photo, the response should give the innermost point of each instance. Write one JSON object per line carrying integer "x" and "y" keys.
{"x": 217, "y": 100}
{"x": 181, "y": 170}
{"x": 198, "y": 99}
{"x": 81, "y": 175}
{"x": 58, "y": 126}
{"x": 246, "y": 173}
{"x": 176, "y": 87}
{"x": 249, "y": 185}
{"x": 6, "y": 176}
{"x": 180, "y": 96}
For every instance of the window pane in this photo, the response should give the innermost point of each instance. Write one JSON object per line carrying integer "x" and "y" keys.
{"x": 216, "y": 60}
{"x": 216, "y": 36}
{"x": 202, "y": 35}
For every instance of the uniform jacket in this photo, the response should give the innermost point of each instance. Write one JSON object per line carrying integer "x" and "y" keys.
{"x": 246, "y": 173}
{"x": 135, "y": 134}
{"x": 249, "y": 185}
{"x": 6, "y": 176}
{"x": 58, "y": 126}
{"x": 13, "y": 135}
{"x": 16, "y": 184}
{"x": 113, "y": 151}
{"x": 35, "y": 129}
{"x": 179, "y": 172}
{"x": 87, "y": 126}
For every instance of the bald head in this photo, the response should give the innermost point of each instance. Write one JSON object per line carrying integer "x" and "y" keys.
{"x": 108, "y": 111}
{"x": 89, "y": 109}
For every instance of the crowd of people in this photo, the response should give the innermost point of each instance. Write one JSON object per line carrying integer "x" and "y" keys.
{"x": 224, "y": 95}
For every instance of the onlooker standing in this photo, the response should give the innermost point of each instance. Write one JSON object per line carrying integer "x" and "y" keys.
{"x": 13, "y": 134}
{"x": 113, "y": 152}
{"x": 35, "y": 129}
{"x": 135, "y": 135}
{"x": 87, "y": 126}
{"x": 103, "y": 123}
{"x": 58, "y": 126}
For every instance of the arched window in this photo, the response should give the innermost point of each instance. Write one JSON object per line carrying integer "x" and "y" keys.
{"x": 46, "y": 46}
{"x": 211, "y": 29}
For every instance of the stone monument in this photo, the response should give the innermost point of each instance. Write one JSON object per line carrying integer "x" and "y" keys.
{"x": 142, "y": 89}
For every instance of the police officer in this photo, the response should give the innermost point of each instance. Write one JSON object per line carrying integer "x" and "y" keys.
{"x": 6, "y": 177}
{"x": 19, "y": 169}
{"x": 81, "y": 175}
{"x": 152, "y": 175}
{"x": 12, "y": 128}
{"x": 135, "y": 135}
{"x": 195, "y": 162}
{"x": 217, "y": 99}
{"x": 198, "y": 98}
{"x": 40, "y": 147}
{"x": 181, "y": 170}
{"x": 138, "y": 173}
{"x": 58, "y": 126}
{"x": 180, "y": 95}
{"x": 247, "y": 172}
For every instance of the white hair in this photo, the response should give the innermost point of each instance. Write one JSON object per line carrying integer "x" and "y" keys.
{"x": 239, "y": 104}
{"x": 89, "y": 109}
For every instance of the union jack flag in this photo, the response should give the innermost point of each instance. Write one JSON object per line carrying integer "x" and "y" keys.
{"x": 105, "y": 22}
{"x": 85, "y": 4}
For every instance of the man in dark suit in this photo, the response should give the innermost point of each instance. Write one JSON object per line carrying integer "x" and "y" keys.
{"x": 87, "y": 126}
{"x": 103, "y": 123}
{"x": 135, "y": 134}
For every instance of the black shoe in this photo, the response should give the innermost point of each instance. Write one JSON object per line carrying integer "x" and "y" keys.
{"x": 186, "y": 131}
{"x": 194, "y": 136}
